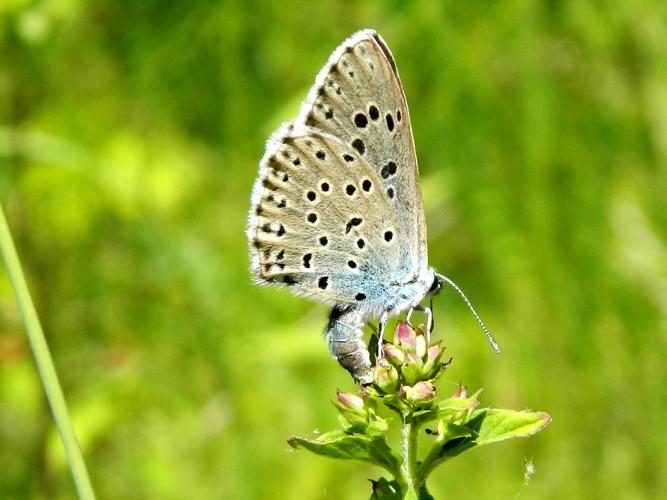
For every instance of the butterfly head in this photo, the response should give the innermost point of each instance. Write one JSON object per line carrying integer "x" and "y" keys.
{"x": 436, "y": 285}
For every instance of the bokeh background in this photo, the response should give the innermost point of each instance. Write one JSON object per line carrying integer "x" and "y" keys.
{"x": 129, "y": 139}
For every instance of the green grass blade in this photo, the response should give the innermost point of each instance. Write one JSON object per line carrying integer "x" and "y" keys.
{"x": 44, "y": 362}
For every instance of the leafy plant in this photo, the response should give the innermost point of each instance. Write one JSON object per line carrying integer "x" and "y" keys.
{"x": 404, "y": 382}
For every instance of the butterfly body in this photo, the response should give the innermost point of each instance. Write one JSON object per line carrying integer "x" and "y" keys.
{"x": 336, "y": 211}
{"x": 344, "y": 331}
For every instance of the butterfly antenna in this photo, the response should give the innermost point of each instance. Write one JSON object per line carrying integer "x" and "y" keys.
{"x": 489, "y": 337}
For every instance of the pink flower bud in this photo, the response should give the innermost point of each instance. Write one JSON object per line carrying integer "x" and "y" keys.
{"x": 432, "y": 363}
{"x": 393, "y": 354}
{"x": 349, "y": 401}
{"x": 420, "y": 393}
{"x": 405, "y": 337}
{"x": 351, "y": 408}
{"x": 461, "y": 392}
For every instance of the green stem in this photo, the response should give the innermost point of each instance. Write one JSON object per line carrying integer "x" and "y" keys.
{"x": 409, "y": 467}
{"x": 47, "y": 371}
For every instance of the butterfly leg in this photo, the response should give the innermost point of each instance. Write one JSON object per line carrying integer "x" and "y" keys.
{"x": 345, "y": 335}
{"x": 382, "y": 323}
{"x": 429, "y": 318}
{"x": 429, "y": 321}
{"x": 409, "y": 315}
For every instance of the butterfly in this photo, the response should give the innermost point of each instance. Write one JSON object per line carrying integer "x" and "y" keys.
{"x": 336, "y": 211}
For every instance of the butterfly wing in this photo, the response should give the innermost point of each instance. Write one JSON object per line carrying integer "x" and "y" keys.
{"x": 320, "y": 223}
{"x": 358, "y": 98}
{"x": 336, "y": 210}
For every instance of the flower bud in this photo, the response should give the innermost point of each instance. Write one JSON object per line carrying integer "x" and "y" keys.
{"x": 351, "y": 407}
{"x": 432, "y": 363}
{"x": 412, "y": 369}
{"x": 405, "y": 337}
{"x": 385, "y": 376}
{"x": 393, "y": 354}
{"x": 421, "y": 393}
{"x": 349, "y": 401}
{"x": 412, "y": 359}
{"x": 461, "y": 392}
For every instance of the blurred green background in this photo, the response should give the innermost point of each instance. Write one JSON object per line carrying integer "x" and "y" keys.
{"x": 130, "y": 133}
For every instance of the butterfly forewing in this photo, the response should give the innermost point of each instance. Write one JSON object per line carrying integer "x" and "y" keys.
{"x": 358, "y": 98}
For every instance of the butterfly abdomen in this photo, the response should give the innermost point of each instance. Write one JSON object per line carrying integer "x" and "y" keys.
{"x": 344, "y": 335}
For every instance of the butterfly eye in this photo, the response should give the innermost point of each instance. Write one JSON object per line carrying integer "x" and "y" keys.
{"x": 435, "y": 286}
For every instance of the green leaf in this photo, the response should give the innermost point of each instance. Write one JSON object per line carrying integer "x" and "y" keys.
{"x": 484, "y": 427}
{"x": 498, "y": 425}
{"x": 338, "y": 444}
{"x": 446, "y": 408}
{"x": 453, "y": 431}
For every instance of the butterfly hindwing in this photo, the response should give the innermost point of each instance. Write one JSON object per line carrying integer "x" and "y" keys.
{"x": 320, "y": 221}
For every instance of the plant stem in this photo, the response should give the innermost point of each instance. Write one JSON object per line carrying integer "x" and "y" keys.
{"x": 44, "y": 362}
{"x": 409, "y": 467}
